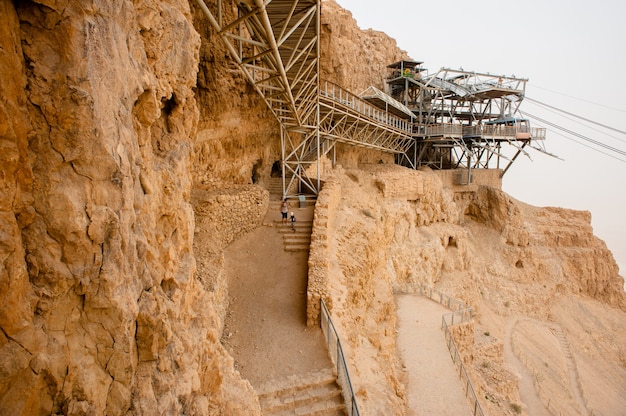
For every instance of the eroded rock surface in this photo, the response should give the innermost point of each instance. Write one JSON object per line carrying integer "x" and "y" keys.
{"x": 130, "y": 144}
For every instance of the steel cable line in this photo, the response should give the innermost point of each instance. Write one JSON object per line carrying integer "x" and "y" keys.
{"x": 587, "y": 146}
{"x": 581, "y": 123}
{"x": 579, "y": 99}
{"x": 574, "y": 115}
{"x": 573, "y": 133}
{"x": 584, "y": 144}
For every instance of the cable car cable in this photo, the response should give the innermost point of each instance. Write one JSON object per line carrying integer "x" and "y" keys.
{"x": 579, "y": 99}
{"x": 573, "y": 133}
{"x": 577, "y": 116}
{"x": 582, "y": 124}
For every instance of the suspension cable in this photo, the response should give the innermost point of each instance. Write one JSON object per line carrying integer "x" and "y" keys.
{"x": 583, "y": 124}
{"x": 574, "y": 115}
{"x": 580, "y": 99}
{"x": 573, "y": 133}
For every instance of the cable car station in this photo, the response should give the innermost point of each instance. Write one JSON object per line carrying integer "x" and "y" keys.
{"x": 451, "y": 119}
{"x": 462, "y": 118}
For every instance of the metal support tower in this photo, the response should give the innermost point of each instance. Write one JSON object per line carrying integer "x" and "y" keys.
{"x": 465, "y": 118}
{"x": 276, "y": 44}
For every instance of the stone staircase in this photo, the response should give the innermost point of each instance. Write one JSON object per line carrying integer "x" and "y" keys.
{"x": 297, "y": 237}
{"x": 313, "y": 394}
{"x": 275, "y": 188}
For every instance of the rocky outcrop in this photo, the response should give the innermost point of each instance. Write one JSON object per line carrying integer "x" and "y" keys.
{"x": 384, "y": 228}
{"x": 237, "y": 139}
{"x": 351, "y": 57}
{"x": 102, "y": 312}
{"x": 132, "y": 151}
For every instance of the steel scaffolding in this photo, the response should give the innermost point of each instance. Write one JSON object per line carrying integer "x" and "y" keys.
{"x": 276, "y": 44}
{"x": 450, "y": 119}
{"x": 463, "y": 118}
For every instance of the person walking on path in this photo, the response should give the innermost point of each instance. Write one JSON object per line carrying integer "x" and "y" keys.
{"x": 284, "y": 209}
{"x": 293, "y": 222}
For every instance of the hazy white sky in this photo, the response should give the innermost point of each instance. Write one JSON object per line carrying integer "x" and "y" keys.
{"x": 574, "y": 55}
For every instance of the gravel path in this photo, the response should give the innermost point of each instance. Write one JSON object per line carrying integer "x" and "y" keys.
{"x": 434, "y": 387}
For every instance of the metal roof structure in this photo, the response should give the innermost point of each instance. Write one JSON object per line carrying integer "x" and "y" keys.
{"x": 382, "y": 100}
{"x": 464, "y": 118}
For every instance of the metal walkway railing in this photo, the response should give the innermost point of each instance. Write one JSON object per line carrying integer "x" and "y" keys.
{"x": 464, "y": 314}
{"x": 336, "y": 353}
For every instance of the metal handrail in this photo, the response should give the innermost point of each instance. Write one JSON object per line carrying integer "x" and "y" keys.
{"x": 356, "y": 103}
{"x": 336, "y": 353}
{"x": 444, "y": 129}
{"x": 538, "y": 133}
{"x": 465, "y": 312}
{"x": 456, "y": 359}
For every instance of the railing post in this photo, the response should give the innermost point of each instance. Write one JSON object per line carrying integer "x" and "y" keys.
{"x": 338, "y": 359}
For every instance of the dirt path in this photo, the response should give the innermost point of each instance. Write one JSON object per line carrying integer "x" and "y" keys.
{"x": 265, "y": 327}
{"x": 434, "y": 387}
{"x": 527, "y": 392}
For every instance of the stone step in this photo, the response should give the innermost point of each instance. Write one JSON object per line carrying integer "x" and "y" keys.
{"x": 297, "y": 238}
{"x": 296, "y": 382}
{"x": 296, "y": 249}
{"x": 288, "y": 229}
{"x": 306, "y": 401}
{"x": 279, "y": 224}
{"x": 313, "y": 394}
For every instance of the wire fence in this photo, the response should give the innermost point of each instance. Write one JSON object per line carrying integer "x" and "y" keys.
{"x": 336, "y": 353}
{"x": 460, "y": 313}
{"x": 470, "y": 393}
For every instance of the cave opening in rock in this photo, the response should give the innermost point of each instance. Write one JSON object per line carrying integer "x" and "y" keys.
{"x": 255, "y": 171}
{"x": 276, "y": 170}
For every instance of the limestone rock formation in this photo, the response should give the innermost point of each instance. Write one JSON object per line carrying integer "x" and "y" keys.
{"x": 102, "y": 312}
{"x": 384, "y": 228}
{"x": 128, "y": 142}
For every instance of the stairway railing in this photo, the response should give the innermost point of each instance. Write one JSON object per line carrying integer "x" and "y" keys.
{"x": 336, "y": 353}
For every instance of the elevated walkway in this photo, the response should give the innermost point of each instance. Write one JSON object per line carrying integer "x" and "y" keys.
{"x": 276, "y": 44}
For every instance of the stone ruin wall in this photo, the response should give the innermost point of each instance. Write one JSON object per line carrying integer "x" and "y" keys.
{"x": 222, "y": 216}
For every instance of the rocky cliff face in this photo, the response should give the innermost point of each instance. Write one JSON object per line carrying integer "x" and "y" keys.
{"x": 102, "y": 312}
{"x": 127, "y": 136}
{"x": 383, "y": 229}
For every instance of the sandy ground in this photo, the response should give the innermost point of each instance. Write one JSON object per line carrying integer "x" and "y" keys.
{"x": 434, "y": 387}
{"x": 527, "y": 391}
{"x": 265, "y": 328}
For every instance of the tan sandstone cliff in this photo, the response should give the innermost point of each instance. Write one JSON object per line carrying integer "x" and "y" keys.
{"x": 537, "y": 277}
{"x": 102, "y": 310}
{"x": 128, "y": 136}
